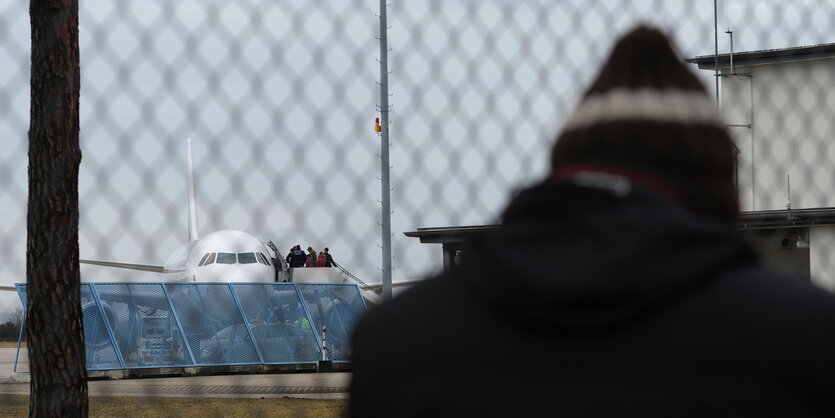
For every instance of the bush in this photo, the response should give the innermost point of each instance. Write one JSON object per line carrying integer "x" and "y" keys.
{"x": 9, "y": 331}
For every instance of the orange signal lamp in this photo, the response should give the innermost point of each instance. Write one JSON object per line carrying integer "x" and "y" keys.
{"x": 377, "y": 127}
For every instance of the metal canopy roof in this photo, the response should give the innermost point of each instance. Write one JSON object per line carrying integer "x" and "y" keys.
{"x": 769, "y": 219}
{"x": 441, "y": 235}
{"x": 766, "y": 56}
{"x": 781, "y": 219}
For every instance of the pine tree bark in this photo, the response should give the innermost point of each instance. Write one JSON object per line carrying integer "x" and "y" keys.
{"x": 54, "y": 325}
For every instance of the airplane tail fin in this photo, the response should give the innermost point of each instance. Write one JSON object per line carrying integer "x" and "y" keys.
{"x": 192, "y": 204}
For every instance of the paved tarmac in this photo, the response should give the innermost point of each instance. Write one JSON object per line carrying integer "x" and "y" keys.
{"x": 7, "y": 356}
{"x": 294, "y": 385}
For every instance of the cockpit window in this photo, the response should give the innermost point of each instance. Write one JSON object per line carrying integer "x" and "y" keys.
{"x": 247, "y": 258}
{"x": 226, "y": 258}
{"x": 210, "y": 260}
{"x": 203, "y": 260}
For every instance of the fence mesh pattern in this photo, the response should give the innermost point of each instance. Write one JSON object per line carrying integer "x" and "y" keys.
{"x": 280, "y": 97}
{"x": 153, "y": 325}
{"x": 101, "y": 352}
{"x": 335, "y": 308}
{"x": 143, "y": 324}
{"x": 283, "y": 331}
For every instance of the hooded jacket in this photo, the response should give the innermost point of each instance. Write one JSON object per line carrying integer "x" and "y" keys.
{"x": 628, "y": 303}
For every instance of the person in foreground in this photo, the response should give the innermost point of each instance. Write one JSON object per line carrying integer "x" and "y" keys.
{"x": 635, "y": 296}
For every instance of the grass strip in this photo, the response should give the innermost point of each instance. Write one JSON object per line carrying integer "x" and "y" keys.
{"x": 11, "y": 344}
{"x": 18, "y": 406}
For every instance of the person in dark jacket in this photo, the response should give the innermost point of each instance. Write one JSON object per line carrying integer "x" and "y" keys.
{"x": 650, "y": 304}
{"x": 289, "y": 258}
{"x": 298, "y": 257}
{"x": 329, "y": 259}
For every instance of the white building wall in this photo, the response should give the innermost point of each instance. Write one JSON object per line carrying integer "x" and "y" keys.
{"x": 822, "y": 257}
{"x": 793, "y": 132}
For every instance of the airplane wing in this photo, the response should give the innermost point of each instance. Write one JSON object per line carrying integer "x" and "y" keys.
{"x": 372, "y": 292}
{"x": 379, "y": 287}
{"x": 141, "y": 267}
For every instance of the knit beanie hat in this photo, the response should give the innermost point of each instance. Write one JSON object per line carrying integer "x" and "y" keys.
{"x": 647, "y": 111}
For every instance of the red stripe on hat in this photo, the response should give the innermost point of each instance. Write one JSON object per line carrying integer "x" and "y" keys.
{"x": 568, "y": 171}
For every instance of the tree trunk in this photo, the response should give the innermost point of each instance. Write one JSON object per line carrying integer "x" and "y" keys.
{"x": 54, "y": 324}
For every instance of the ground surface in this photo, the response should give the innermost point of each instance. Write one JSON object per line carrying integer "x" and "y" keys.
{"x": 17, "y": 406}
{"x": 11, "y": 344}
{"x": 313, "y": 386}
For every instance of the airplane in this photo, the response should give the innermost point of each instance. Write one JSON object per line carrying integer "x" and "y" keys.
{"x": 228, "y": 256}
{"x": 225, "y": 256}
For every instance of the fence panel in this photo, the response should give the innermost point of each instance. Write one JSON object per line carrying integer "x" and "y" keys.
{"x": 144, "y": 325}
{"x": 212, "y": 323}
{"x": 336, "y": 307}
{"x": 281, "y": 327}
{"x": 280, "y": 97}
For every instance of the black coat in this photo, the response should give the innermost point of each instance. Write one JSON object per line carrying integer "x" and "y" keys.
{"x": 329, "y": 260}
{"x": 623, "y": 306}
{"x": 298, "y": 258}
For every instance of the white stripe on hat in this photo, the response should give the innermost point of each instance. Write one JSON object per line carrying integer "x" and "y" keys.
{"x": 646, "y": 104}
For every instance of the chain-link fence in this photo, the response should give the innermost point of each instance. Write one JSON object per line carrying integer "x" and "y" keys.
{"x": 280, "y": 98}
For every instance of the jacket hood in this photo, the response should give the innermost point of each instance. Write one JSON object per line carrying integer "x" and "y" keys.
{"x": 589, "y": 255}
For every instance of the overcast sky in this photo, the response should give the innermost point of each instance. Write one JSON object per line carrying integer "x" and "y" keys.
{"x": 279, "y": 98}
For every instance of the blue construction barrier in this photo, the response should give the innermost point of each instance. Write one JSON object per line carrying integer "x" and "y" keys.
{"x": 152, "y": 325}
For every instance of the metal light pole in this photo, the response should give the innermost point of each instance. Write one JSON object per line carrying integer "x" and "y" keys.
{"x": 384, "y": 153}
{"x": 716, "y": 48}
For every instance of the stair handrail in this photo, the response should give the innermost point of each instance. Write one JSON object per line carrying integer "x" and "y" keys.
{"x": 363, "y": 284}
